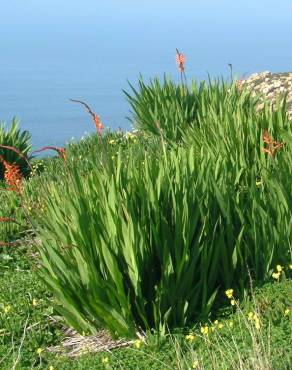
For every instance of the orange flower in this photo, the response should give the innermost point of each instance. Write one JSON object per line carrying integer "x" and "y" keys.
{"x": 6, "y": 219}
{"x": 180, "y": 60}
{"x": 62, "y": 153}
{"x": 12, "y": 176}
{"x": 272, "y": 145}
{"x": 98, "y": 124}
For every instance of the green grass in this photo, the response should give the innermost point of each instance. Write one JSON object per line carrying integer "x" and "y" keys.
{"x": 203, "y": 179}
{"x": 20, "y": 285}
{"x": 25, "y": 309}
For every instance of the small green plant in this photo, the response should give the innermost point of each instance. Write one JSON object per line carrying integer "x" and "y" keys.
{"x": 18, "y": 139}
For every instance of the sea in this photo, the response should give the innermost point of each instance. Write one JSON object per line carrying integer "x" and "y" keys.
{"x": 46, "y": 61}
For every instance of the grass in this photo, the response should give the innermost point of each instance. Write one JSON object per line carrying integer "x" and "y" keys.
{"x": 209, "y": 184}
{"x": 27, "y": 327}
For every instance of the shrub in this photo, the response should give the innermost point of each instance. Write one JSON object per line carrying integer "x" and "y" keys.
{"x": 143, "y": 244}
{"x": 18, "y": 139}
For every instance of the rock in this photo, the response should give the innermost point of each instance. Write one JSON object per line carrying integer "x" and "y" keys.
{"x": 267, "y": 89}
{"x": 277, "y": 84}
{"x": 269, "y": 86}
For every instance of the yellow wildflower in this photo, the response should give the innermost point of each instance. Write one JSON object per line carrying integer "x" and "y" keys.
{"x": 7, "y": 309}
{"x": 112, "y": 141}
{"x": 258, "y": 183}
{"x": 39, "y": 351}
{"x": 257, "y": 322}
{"x": 34, "y": 302}
{"x": 104, "y": 360}
{"x": 190, "y": 337}
{"x": 51, "y": 367}
{"x": 229, "y": 293}
{"x": 290, "y": 266}
{"x": 195, "y": 364}
{"x": 279, "y": 268}
{"x": 216, "y": 322}
{"x": 257, "y": 325}
{"x": 231, "y": 324}
{"x": 205, "y": 330}
{"x": 276, "y": 275}
{"x": 286, "y": 312}
{"x": 232, "y": 302}
{"x": 138, "y": 343}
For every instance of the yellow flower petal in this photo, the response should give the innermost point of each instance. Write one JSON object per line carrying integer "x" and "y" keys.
{"x": 205, "y": 330}
{"x": 105, "y": 360}
{"x": 276, "y": 275}
{"x": 7, "y": 309}
{"x": 39, "y": 351}
{"x": 190, "y": 337}
{"x": 229, "y": 293}
{"x": 138, "y": 343}
{"x": 279, "y": 268}
{"x": 195, "y": 364}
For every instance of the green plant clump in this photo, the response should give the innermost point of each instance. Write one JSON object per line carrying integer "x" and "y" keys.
{"x": 144, "y": 243}
{"x": 171, "y": 110}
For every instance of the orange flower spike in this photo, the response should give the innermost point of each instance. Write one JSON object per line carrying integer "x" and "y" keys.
{"x": 267, "y": 138}
{"x": 98, "y": 124}
{"x": 96, "y": 119}
{"x": 180, "y": 60}
{"x": 12, "y": 176}
{"x": 6, "y": 219}
{"x": 62, "y": 153}
{"x": 273, "y": 145}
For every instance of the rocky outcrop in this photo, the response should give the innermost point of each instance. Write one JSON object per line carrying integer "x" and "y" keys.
{"x": 271, "y": 86}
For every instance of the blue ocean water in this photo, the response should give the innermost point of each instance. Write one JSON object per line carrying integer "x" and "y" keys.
{"x": 49, "y": 55}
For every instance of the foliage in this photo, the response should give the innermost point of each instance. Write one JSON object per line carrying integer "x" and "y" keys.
{"x": 11, "y": 209}
{"x": 18, "y": 139}
{"x": 25, "y": 310}
{"x": 147, "y": 242}
{"x": 170, "y": 110}
{"x": 27, "y": 328}
{"x": 138, "y": 234}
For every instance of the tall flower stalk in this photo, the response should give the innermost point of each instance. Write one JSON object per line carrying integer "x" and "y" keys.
{"x": 96, "y": 119}
{"x": 180, "y": 60}
{"x": 60, "y": 151}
